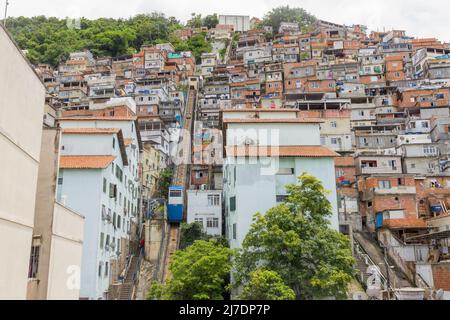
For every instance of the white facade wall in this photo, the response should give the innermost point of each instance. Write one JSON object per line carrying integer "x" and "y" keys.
{"x": 199, "y": 207}
{"x": 83, "y": 190}
{"x": 244, "y": 179}
{"x": 22, "y": 99}
{"x": 66, "y": 254}
{"x": 285, "y": 134}
{"x": 240, "y": 23}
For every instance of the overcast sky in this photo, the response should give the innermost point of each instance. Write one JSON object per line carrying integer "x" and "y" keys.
{"x": 424, "y": 18}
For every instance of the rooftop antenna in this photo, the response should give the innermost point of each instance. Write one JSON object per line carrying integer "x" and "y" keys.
{"x": 6, "y": 13}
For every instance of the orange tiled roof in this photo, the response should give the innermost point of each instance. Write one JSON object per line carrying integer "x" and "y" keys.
{"x": 295, "y": 120}
{"x": 85, "y": 162}
{"x": 98, "y": 118}
{"x": 91, "y": 131}
{"x": 409, "y": 223}
{"x": 282, "y": 151}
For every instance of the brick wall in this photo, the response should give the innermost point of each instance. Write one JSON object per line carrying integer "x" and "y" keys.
{"x": 441, "y": 276}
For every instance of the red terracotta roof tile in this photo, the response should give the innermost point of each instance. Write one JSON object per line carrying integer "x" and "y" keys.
{"x": 409, "y": 223}
{"x": 282, "y": 151}
{"x": 85, "y": 162}
{"x": 91, "y": 131}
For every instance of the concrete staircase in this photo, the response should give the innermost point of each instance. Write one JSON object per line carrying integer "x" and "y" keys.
{"x": 126, "y": 290}
{"x": 372, "y": 254}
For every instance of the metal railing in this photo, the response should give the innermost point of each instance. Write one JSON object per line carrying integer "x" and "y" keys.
{"x": 363, "y": 256}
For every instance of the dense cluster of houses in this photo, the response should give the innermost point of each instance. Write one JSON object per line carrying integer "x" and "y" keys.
{"x": 366, "y": 113}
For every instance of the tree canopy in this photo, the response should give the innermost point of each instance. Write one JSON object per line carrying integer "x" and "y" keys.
{"x": 265, "y": 285}
{"x": 198, "y": 273}
{"x": 295, "y": 240}
{"x": 276, "y": 16}
{"x": 49, "y": 40}
{"x": 197, "y": 21}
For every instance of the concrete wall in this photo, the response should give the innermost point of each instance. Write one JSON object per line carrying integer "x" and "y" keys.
{"x": 22, "y": 102}
{"x": 274, "y": 134}
{"x": 199, "y": 208}
{"x": 250, "y": 177}
{"x": 65, "y": 259}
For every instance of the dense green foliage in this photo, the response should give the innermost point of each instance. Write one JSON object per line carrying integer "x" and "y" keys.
{"x": 164, "y": 181}
{"x": 197, "y": 21}
{"x": 49, "y": 40}
{"x": 197, "y": 44}
{"x": 266, "y": 285}
{"x": 190, "y": 233}
{"x": 276, "y": 16}
{"x": 198, "y": 273}
{"x": 194, "y": 231}
{"x": 295, "y": 240}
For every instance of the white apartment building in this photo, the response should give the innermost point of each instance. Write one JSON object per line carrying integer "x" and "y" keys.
{"x": 239, "y": 23}
{"x": 205, "y": 207}
{"x": 265, "y": 151}
{"x": 22, "y": 99}
{"x": 99, "y": 177}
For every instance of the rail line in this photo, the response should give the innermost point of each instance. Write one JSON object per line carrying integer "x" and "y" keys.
{"x": 181, "y": 178}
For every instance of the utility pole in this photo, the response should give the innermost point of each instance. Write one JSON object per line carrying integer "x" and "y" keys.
{"x": 6, "y": 13}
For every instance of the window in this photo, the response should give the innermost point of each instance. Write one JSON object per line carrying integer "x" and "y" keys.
{"x": 340, "y": 173}
{"x": 100, "y": 269}
{"x": 114, "y": 143}
{"x": 281, "y": 198}
{"x": 333, "y": 124}
{"x": 213, "y": 200}
{"x": 233, "y": 204}
{"x": 102, "y": 240}
{"x": 118, "y": 221}
{"x": 369, "y": 204}
{"x": 106, "y": 269}
{"x": 34, "y": 262}
{"x": 60, "y": 181}
{"x": 105, "y": 184}
{"x": 334, "y": 141}
{"x": 234, "y": 231}
{"x": 286, "y": 171}
{"x": 429, "y": 150}
{"x": 212, "y": 223}
{"x": 199, "y": 220}
{"x": 384, "y": 185}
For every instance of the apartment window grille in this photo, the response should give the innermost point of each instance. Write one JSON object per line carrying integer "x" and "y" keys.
{"x": 34, "y": 262}
{"x": 212, "y": 223}
{"x": 213, "y": 200}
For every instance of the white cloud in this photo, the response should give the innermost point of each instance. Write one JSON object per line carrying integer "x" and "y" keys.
{"x": 418, "y": 17}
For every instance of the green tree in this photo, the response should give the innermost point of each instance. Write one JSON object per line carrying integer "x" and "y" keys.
{"x": 198, "y": 273}
{"x": 295, "y": 240}
{"x": 276, "y": 16}
{"x": 196, "y": 21}
{"x": 191, "y": 233}
{"x": 50, "y": 40}
{"x": 164, "y": 181}
{"x": 210, "y": 21}
{"x": 266, "y": 285}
